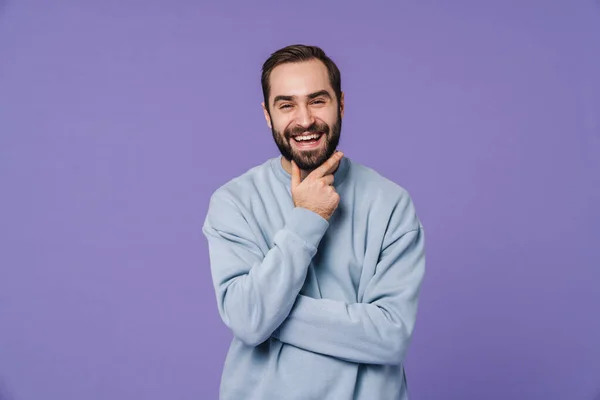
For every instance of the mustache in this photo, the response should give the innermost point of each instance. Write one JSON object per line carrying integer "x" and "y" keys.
{"x": 314, "y": 127}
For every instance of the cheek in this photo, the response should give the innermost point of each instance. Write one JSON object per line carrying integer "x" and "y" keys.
{"x": 329, "y": 117}
{"x": 281, "y": 124}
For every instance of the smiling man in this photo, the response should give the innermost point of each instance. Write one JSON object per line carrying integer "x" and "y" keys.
{"x": 317, "y": 261}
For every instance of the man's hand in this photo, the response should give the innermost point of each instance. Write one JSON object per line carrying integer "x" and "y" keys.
{"x": 316, "y": 191}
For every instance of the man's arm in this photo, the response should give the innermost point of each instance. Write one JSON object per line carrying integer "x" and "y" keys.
{"x": 376, "y": 331}
{"x": 256, "y": 291}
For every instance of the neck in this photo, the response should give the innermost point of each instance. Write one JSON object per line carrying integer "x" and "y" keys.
{"x": 287, "y": 165}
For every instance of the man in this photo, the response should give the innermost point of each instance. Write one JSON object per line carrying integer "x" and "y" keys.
{"x": 317, "y": 260}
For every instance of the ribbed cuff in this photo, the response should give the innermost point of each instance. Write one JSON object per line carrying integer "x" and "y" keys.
{"x": 308, "y": 225}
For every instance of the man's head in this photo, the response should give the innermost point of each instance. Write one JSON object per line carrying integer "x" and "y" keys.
{"x": 302, "y": 97}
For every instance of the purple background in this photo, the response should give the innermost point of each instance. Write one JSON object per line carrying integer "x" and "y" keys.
{"x": 119, "y": 118}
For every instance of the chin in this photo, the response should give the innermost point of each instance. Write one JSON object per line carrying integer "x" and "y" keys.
{"x": 308, "y": 162}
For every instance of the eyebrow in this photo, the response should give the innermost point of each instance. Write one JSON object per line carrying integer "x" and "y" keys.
{"x": 310, "y": 96}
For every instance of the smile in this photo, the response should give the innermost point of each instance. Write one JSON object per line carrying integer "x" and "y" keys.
{"x": 307, "y": 138}
{"x": 308, "y": 141}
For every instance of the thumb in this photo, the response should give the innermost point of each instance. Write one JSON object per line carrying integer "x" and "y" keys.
{"x": 296, "y": 178}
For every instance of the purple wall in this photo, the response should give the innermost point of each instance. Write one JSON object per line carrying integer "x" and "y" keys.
{"x": 119, "y": 118}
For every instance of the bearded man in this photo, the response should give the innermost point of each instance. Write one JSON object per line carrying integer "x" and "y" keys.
{"x": 317, "y": 260}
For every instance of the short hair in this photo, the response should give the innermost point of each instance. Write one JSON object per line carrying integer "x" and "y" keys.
{"x": 298, "y": 53}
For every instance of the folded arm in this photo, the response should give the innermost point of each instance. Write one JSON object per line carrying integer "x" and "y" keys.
{"x": 256, "y": 290}
{"x": 379, "y": 329}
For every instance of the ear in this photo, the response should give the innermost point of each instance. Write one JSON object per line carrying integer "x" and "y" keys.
{"x": 267, "y": 116}
{"x": 342, "y": 105}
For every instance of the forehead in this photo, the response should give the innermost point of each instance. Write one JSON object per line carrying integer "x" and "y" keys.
{"x": 299, "y": 79}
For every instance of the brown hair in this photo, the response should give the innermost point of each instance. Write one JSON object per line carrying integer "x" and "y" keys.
{"x": 299, "y": 53}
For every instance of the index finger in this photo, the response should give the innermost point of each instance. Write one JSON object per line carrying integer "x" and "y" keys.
{"x": 296, "y": 178}
{"x": 327, "y": 166}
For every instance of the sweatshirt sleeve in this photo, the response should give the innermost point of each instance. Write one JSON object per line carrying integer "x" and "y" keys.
{"x": 256, "y": 290}
{"x": 375, "y": 331}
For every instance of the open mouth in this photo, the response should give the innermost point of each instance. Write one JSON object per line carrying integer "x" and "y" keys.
{"x": 308, "y": 141}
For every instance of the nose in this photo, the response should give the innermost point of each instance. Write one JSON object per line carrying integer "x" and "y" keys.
{"x": 304, "y": 117}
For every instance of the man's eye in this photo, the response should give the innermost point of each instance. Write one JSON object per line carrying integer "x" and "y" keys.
{"x": 285, "y": 106}
{"x": 318, "y": 102}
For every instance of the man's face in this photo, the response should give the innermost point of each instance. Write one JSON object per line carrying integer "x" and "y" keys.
{"x": 305, "y": 116}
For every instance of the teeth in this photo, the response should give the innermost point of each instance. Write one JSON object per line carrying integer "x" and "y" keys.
{"x": 307, "y": 137}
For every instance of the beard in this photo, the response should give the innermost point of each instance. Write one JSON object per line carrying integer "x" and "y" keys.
{"x": 309, "y": 160}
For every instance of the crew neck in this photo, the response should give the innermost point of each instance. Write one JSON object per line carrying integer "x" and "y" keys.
{"x": 285, "y": 177}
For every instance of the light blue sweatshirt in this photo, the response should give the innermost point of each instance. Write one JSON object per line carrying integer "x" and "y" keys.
{"x": 319, "y": 309}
